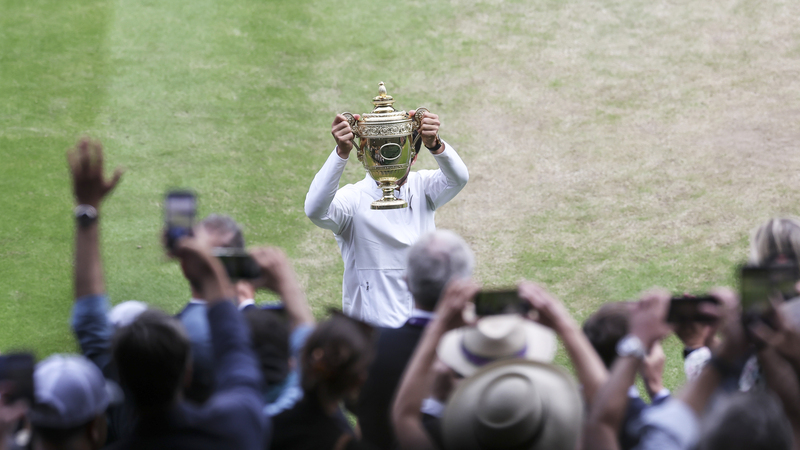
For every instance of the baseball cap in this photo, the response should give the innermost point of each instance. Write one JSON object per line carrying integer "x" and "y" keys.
{"x": 69, "y": 391}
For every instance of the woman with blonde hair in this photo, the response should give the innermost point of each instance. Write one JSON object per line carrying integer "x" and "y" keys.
{"x": 776, "y": 240}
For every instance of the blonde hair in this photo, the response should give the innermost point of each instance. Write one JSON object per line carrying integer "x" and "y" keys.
{"x": 777, "y": 236}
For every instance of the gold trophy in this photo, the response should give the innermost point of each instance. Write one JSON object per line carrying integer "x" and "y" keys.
{"x": 385, "y": 146}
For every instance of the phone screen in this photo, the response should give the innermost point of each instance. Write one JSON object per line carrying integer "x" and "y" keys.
{"x": 759, "y": 283}
{"x": 506, "y": 301}
{"x": 686, "y": 309}
{"x": 238, "y": 263}
{"x": 180, "y": 209}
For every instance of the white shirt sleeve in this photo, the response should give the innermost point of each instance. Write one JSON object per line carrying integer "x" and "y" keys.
{"x": 672, "y": 425}
{"x": 448, "y": 181}
{"x": 326, "y": 205}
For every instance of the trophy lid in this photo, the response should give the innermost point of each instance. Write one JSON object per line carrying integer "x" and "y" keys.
{"x": 384, "y": 112}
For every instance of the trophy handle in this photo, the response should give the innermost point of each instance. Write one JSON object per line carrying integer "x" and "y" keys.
{"x": 417, "y": 121}
{"x": 351, "y": 119}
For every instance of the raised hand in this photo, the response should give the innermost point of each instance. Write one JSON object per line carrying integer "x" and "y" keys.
{"x": 203, "y": 270}
{"x": 456, "y": 295}
{"x": 86, "y": 165}
{"x": 429, "y": 129}
{"x": 648, "y": 317}
{"x": 343, "y": 135}
{"x": 551, "y": 312}
{"x": 276, "y": 272}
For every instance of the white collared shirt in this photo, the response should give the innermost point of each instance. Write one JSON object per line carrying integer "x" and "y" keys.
{"x": 374, "y": 243}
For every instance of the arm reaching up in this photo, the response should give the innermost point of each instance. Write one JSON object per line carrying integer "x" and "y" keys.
{"x": 588, "y": 366}
{"x": 90, "y": 187}
{"x": 415, "y": 385}
{"x": 647, "y": 326}
{"x": 279, "y": 277}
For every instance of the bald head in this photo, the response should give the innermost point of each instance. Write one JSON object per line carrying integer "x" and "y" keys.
{"x": 433, "y": 261}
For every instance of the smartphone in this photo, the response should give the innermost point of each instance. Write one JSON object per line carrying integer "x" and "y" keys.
{"x": 686, "y": 308}
{"x": 757, "y": 284}
{"x": 503, "y": 301}
{"x": 238, "y": 263}
{"x": 180, "y": 209}
{"x": 16, "y": 377}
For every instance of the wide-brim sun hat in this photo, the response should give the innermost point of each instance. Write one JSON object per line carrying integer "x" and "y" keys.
{"x": 495, "y": 338}
{"x": 514, "y": 404}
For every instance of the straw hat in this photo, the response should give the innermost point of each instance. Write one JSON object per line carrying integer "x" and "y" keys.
{"x": 494, "y": 338}
{"x": 517, "y": 404}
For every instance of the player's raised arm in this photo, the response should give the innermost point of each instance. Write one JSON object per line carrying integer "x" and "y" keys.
{"x": 453, "y": 175}
{"x": 320, "y": 205}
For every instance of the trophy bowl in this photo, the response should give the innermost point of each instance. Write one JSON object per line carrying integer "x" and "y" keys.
{"x": 385, "y": 146}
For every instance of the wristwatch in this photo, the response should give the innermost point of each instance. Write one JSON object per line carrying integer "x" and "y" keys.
{"x": 631, "y": 345}
{"x": 85, "y": 215}
{"x": 438, "y": 145}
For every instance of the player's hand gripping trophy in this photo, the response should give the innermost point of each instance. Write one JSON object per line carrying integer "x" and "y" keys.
{"x": 385, "y": 146}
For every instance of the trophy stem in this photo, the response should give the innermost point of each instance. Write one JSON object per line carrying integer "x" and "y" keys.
{"x": 388, "y": 201}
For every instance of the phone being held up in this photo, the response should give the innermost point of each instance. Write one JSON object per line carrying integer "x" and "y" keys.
{"x": 180, "y": 209}
{"x": 501, "y": 301}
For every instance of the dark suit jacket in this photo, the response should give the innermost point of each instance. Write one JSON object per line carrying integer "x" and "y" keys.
{"x": 636, "y": 407}
{"x": 373, "y": 409}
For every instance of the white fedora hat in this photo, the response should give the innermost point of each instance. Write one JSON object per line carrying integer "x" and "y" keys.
{"x": 495, "y": 338}
{"x": 514, "y": 404}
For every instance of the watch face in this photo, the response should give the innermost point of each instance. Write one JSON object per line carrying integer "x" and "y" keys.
{"x": 631, "y": 346}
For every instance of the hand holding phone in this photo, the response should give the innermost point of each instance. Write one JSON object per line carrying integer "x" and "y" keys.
{"x": 180, "y": 209}
{"x": 690, "y": 308}
{"x": 502, "y": 301}
{"x": 238, "y": 263}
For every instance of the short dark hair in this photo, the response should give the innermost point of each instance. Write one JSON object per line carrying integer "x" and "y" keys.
{"x": 151, "y": 355}
{"x": 747, "y": 421}
{"x": 269, "y": 335}
{"x": 222, "y": 224}
{"x": 605, "y": 328}
{"x": 335, "y": 357}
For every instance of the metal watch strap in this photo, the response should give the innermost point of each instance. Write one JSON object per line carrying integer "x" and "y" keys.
{"x": 85, "y": 215}
{"x": 631, "y": 345}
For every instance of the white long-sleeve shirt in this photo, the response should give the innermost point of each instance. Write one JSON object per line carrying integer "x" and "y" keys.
{"x": 374, "y": 243}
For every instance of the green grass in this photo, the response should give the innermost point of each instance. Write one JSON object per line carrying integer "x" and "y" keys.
{"x": 613, "y": 146}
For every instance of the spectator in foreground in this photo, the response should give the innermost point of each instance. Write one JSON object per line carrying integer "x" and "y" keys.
{"x": 563, "y": 420}
{"x": 334, "y": 365}
{"x": 214, "y": 231}
{"x": 71, "y": 398}
{"x": 153, "y": 358}
{"x": 433, "y": 261}
{"x": 605, "y": 329}
{"x": 736, "y": 421}
{"x": 278, "y": 341}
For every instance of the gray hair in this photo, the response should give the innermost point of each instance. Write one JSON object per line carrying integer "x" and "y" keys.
{"x": 433, "y": 261}
{"x": 777, "y": 236}
{"x": 223, "y": 225}
{"x": 746, "y": 421}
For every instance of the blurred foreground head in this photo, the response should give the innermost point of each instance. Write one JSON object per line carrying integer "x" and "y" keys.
{"x": 152, "y": 356}
{"x": 433, "y": 261}
{"x": 514, "y": 404}
{"x": 606, "y": 327}
{"x": 335, "y": 358}
{"x": 746, "y": 421}
{"x": 779, "y": 236}
{"x": 71, "y": 397}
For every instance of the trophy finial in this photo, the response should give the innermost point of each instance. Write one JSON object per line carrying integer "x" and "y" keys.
{"x": 383, "y": 102}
